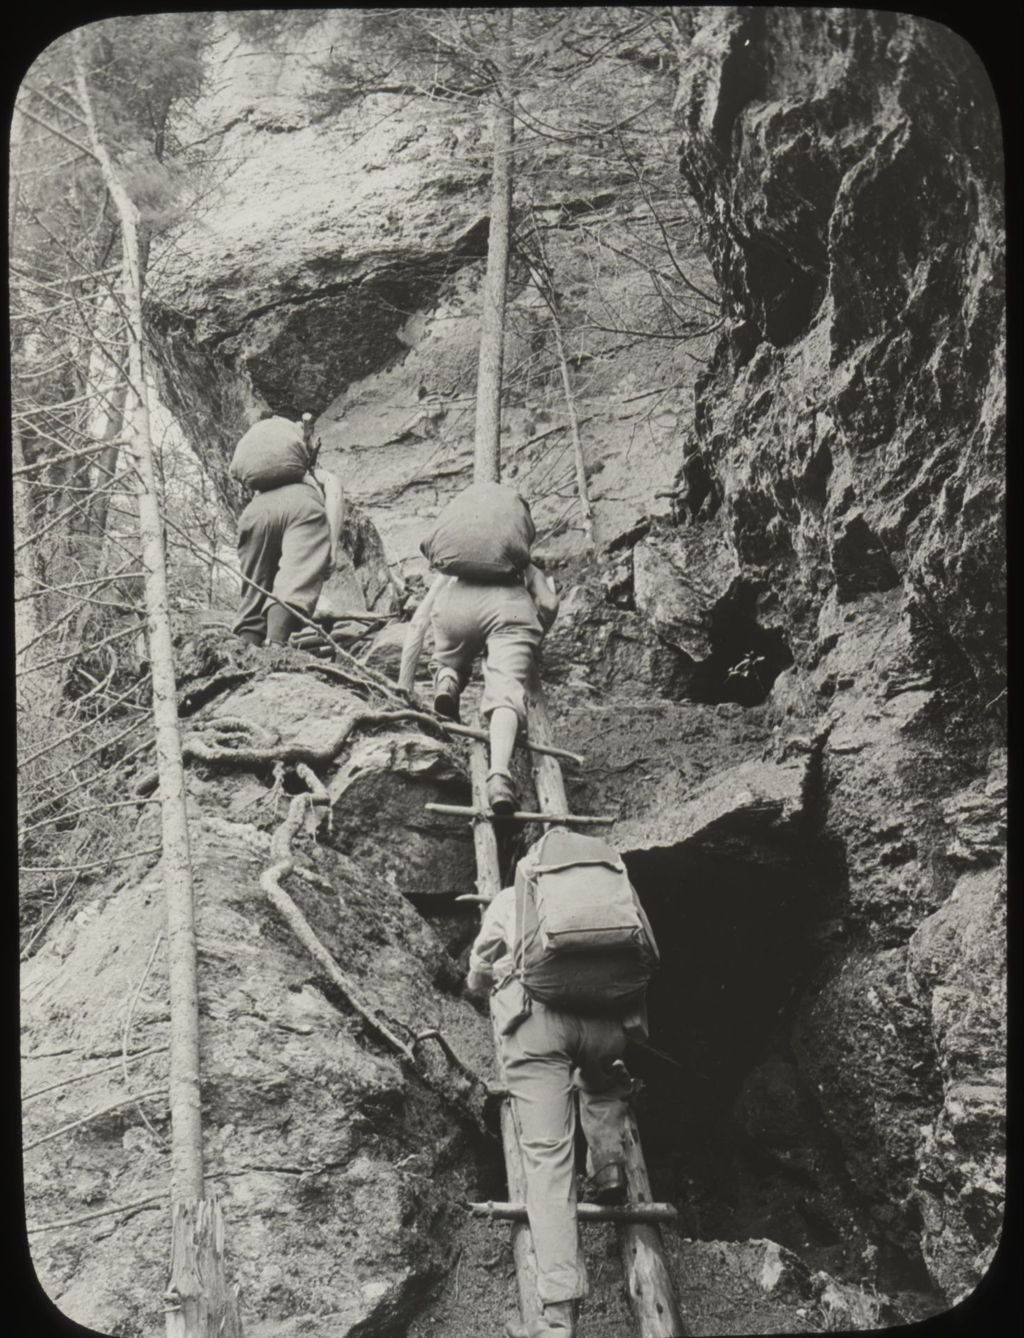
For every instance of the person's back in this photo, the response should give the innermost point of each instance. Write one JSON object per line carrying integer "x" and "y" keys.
{"x": 284, "y": 538}
{"x": 549, "y": 1049}
{"x": 488, "y": 598}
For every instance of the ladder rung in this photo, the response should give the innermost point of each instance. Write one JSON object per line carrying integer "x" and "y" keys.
{"x": 546, "y": 749}
{"x": 586, "y": 1212}
{"x": 464, "y": 811}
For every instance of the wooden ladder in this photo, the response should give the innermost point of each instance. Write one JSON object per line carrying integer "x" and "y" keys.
{"x": 651, "y": 1297}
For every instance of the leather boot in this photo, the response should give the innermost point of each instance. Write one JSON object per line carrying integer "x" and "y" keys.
{"x": 446, "y": 695}
{"x": 501, "y": 793}
{"x": 557, "y": 1321}
{"x": 281, "y": 622}
{"x": 608, "y": 1185}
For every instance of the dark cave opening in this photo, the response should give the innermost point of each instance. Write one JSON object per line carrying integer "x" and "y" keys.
{"x": 745, "y": 658}
{"x": 733, "y": 1132}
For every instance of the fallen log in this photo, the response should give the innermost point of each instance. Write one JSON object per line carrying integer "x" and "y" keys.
{"x": 585, "y": 1212}
{"x": 462, "y": 810}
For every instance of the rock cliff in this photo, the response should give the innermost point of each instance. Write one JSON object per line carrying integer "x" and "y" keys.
{"x": 782, "y": 662}
{"x": 848, "y": 172}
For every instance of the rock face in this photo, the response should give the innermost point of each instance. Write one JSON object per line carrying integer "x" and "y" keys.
{"x": 848, "y": 171}
{"x": 847, "y": 168}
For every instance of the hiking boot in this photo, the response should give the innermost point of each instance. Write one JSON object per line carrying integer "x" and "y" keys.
{"x": 608, "y": 1185}
{"x": 446, "y": 696}
{"x": 501, "y": 793}
{"x": 281, "y": 623}
{"x": 557, "y": 1321}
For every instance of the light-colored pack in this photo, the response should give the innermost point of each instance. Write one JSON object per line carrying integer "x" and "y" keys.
{"x": 483, "y": 534}
{"x": 272, "y": 453}
{"x": 582, "y": 941}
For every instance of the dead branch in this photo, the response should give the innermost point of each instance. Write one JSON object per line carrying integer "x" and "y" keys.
{"x": 95, "y": 1115}
{"x": 135, "y": 1207}
{"x": 66, "y": 738}
{"x": 40, "y": 929}
{"x": 53, "y": 130}
{"x": 78, "y": 812}
{"x": 84, "y": 1077}
{"x": 93, "y": 864}
{"x": 71, "y": 655}
{"x": 129, "y": 1015}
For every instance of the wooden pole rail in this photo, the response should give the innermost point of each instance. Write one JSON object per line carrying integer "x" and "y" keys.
{"x": 465, "y": 811}
{"x": 488, "y": 882}
{"x": 471, "y": 732}
{"x": 585, "y": 1212}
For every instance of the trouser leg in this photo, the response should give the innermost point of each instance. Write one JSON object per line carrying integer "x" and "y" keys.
{"x": 508, "y": 664}
{"x": 538, "y": 1073}
{"x": 457, "y": 637}
{"x": 259, "y": 550}
{"x": 504, "y": 726}
{"x": 603, "y": 1091}
{"x": 305, "y": 558}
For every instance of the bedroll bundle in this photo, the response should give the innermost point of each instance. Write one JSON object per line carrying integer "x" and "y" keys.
{"x": 271, "y": 454}
{"x": 483, "y": 534}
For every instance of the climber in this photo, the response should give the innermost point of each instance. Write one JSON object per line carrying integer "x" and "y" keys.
{"x": 563, "y": 1018}
{"x": 488, "y": 597}
{"x": 288, "y": 534}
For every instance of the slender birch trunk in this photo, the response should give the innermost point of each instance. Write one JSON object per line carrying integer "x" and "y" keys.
{"x": 545, "y": 287}
{"x": 487, "y": 457}
{"x": 582, "y": 490}
{"x": 26, "y": 626}
{"x": 197, "y": 1303}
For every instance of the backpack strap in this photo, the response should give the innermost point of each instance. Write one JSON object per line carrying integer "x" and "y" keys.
{"x": 614, "y": 864}
{"x": 519, "y": 967}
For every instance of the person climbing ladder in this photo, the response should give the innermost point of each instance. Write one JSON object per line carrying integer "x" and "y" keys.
{"x": 569, "y": 953}
{"x": 488, "y": 597}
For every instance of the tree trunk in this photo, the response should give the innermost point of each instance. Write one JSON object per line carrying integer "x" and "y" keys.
{"x": 545, "y": 286}
{"x": 487, "y": 458}
{"x": 25, "y": 622}
{"x": 574, "y": 426}
{"x": 195, "y": 1246}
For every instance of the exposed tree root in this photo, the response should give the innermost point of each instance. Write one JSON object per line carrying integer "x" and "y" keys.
{"x": 270, "y": 881}
{"x": 282, "y": 864}
{"x": 197, "y": 749}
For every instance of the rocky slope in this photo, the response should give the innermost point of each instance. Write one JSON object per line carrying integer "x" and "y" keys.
{"x": 782, "y": 663}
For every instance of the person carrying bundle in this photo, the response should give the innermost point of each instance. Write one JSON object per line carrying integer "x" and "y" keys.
{"x": 288, "y": 533}
{"x": 568, "y": 952}
{"x": 489, "y": 598}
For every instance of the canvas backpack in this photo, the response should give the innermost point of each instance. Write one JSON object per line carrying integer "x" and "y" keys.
{"x": 483, "y": 534}
{"x": 582, "y": 941}
{"x": 272, "y": 453}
